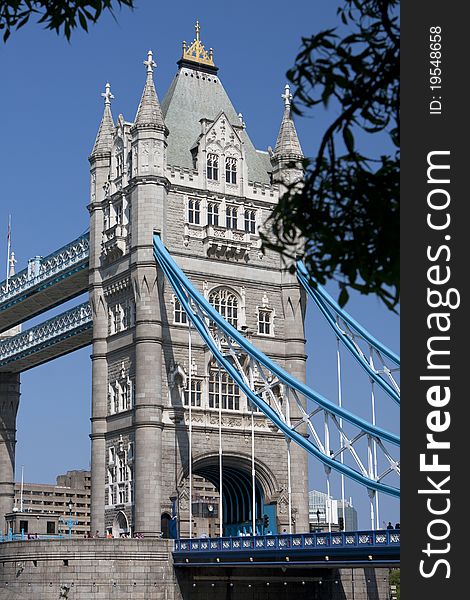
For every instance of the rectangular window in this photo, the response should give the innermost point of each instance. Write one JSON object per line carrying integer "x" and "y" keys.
{"x": 24, "y": 526}
{"x": 250, "y": 221}
{"x": 196, "y": 392}
{"x": 213, "y": 167}
{"x": 264, "y": 322}
{"x": 213, "y": 214}
{"x": 50, "y": 525}
{"x": 127, "y": 314}
{"x": 231, "y": 170}
{"x": 119, "y": 212}
{"x": 225, "y": 387}
{"x": 194, "y": 211}
{"x": 117, "y": 319}
{"x": 179, "y": 314}
{"x": 231, "y": 217}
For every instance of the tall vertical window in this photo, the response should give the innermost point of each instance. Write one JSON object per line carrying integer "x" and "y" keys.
{"x": 194, "y": 211}
{"x": 106, "y": 223}
{"x": 179, "y": 314}
{"x": 231, "y": 217}
{"x": 128, "y": 314}
{"x": 226, "y": 304}
{"x": 196, "y": 392}
{"x": 117, "y": 319}
{"x": 265, "y": 322}
{"x": 212, "y": 166}
{"x": 119, "y": 164}
{"x": 213, "y": 213}
{"x": 231, "y": 170}
{"x": 226, "y": 387}
{"x": 118, "y": 211}
{"x": 250, "y": 221}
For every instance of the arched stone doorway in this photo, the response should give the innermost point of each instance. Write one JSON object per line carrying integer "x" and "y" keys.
{"x": 166, "y": 520}
{"x": 237, "y": 493}
{"x": 120, "y": 525}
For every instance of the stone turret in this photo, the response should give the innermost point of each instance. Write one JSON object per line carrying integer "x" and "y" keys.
{"x": 148, "y": 203}
{"x": 104, "y": 138}
{"x": 287, "y": 156}
{"x": 149, "y": 132}
{"x": 100, "y": 165}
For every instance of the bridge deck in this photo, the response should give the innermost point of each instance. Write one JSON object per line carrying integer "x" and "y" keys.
{"x": 48, "y": 282}
{"x": 359, "y": 548}
{"x": 56, "y": 337}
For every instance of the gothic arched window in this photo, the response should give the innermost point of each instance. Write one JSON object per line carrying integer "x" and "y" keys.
{"x": 212, "y": 166}
{"x": 226, "y": 303}
{"x": 250, "y": 221}
{"x": 231, "y": 169}
{"x": 194, "y": 211}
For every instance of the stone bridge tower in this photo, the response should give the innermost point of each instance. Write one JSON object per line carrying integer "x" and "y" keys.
{"x": 187, "y": 169}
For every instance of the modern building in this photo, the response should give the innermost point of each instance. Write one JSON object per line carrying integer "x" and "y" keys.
{"x": 325, "y": 512}
{"x": 68, "y": 500}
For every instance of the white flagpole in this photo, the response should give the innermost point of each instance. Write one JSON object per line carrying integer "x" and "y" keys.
{"x": 190, "y": 432}
{"x": 8, "y": 248}
{"x": 21, "y": 494}
{"x": 221, "y": 508}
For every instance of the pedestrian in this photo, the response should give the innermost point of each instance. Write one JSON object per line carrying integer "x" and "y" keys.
{"x": 397, "y": 525}
{"x": 97, "y": 534}
{"x": 389, "y": 526}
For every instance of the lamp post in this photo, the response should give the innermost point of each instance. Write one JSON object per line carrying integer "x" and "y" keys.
{"x": 70, "y": 521}
{"x": 174, "y": 515}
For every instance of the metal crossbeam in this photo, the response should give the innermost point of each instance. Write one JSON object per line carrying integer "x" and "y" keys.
{"x": 378, "y": 361}
{"x": 239, "y": 358}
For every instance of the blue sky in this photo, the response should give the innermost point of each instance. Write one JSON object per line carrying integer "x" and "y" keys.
{"x": 51, "y": 108}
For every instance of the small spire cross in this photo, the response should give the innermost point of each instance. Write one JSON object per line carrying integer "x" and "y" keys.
{"x": 198, "y": 28}
{"x": 107, "y": 95}
{"x": 287, "y": 96}
{"x": 150, "y": 63}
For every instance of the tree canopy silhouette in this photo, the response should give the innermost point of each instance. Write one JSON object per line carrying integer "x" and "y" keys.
{"x": 346, "y": 214}
{"x": 58, "y": 15}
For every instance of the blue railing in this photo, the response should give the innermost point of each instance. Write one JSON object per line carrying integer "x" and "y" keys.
{"x": 43, "y": 272}
{"x": 23, "y": 537}
{"x": 301, "y": 541}
{"x": 71, "y": 322}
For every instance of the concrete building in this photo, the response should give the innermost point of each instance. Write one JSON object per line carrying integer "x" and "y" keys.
{"x": 324, "y": 511}
{"x": 68, "y": 500}
{"x": 187, "y": 170}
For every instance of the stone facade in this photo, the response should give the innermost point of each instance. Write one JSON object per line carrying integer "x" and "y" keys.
{"x": 85, "y": 569}
{"x": 187, "y": 170}
{"x": 143, "y": 570}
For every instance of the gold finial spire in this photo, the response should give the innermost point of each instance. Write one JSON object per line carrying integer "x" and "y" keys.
{"x": 196, "y": 51}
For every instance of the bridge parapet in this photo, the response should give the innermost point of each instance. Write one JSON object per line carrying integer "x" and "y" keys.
{"x": 367, "y": 547}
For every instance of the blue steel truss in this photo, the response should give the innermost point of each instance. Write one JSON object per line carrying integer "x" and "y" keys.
{"x": 240, "y": 359}
{"x": 50, "y": 332}
{"x": 46, "y": 271}
{"x": 367, "y": 350}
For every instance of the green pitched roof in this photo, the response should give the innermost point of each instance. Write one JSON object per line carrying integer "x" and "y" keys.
{"x": 194, "y": 95}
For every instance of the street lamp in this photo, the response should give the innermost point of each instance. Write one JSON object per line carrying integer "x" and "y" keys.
{"x": 70, "y": 521}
